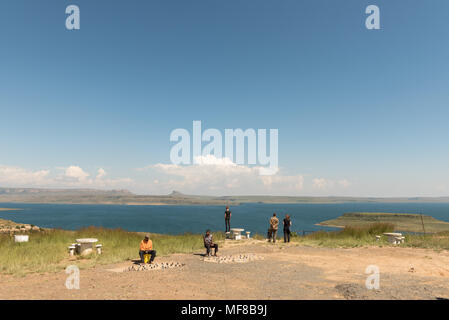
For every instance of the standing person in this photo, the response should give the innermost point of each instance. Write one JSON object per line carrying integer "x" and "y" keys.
{"x": 146, "y": 247}
{"x": 287, "y": 224}
{"x": 209, "y": 243}
{"x": 227, "y": 217}
{"x": 274, "y": 224}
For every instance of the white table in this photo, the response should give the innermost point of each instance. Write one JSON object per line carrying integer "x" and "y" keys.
{"x": 394, "y": 237}
{"x": 86, "y": 245}
{"x": 237, "y": 233}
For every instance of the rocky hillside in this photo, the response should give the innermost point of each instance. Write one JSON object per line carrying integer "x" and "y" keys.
{"x": 11, "y": 227}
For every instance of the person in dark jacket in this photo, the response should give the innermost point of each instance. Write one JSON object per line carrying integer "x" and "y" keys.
{"x": 287, "y": 224}
{"x": 227, "y": 217}
{"x": 209, "y": 243}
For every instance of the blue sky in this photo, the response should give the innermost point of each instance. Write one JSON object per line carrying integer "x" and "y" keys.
{"x": 360, "y": 112}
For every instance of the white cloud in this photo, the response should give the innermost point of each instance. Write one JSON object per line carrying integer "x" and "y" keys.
{"x": 211, "y": 160}
{"x": 101, "y": 173}
{"x": 16, "y": 176}
{"x": 221, "y": 176}
{"x": 344, "y": 183}
{"x": 211, "y": 176}
{"x": 76, "y": 176}
{"x": 326, "y": 184}
{"x": 441, "y": 188}
{"x": 71, "y": 176}
{"x": 321, "y": 183}
{"x": 76, "y": 173}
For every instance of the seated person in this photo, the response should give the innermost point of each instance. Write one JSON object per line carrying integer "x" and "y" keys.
{"x": 209, "y": 243}
{"x": 146, "y": 247}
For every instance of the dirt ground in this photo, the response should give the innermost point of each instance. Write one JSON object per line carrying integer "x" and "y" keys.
{"x": 286, "y": 272}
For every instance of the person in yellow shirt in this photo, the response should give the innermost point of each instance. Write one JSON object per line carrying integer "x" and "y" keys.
{"x": 146, "y": 247}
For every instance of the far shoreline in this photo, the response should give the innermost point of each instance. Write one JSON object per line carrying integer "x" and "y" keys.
{"x": 202, "y": 204}
{"x": 329, "y": 225}
{"x": 10, "y": 196}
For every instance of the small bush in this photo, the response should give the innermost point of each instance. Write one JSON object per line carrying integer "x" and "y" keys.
{"x": 294, "y": 234}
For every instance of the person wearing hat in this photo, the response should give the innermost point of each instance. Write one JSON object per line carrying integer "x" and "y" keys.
{"x": 146, "y": 247}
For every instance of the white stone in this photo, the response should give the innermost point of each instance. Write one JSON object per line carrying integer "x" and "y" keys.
{"x": 21, "y": 238}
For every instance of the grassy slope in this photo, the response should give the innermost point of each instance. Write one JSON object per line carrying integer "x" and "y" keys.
{"x": 401, "y": 221}
{"x": 9, "y": 223}
{"x": 439, "y": 241}
{"x": 362, "y": 236}
{"x": 47, "y": 251}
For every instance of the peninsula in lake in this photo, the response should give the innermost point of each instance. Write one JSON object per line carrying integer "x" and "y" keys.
{"x": 408, "y": 222}
{"x": 125, "y": 197}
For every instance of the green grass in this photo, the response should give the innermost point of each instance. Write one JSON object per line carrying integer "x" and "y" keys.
{"x": 361, "y": 236}
{"x": 47, "y": 251}
{"x": 353, "y": 236}
{"x": 438, "y": 241}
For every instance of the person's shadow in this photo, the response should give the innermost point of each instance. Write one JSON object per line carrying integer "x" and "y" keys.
{"x": 136, "y": 261}
{"x": 199, "y": 254}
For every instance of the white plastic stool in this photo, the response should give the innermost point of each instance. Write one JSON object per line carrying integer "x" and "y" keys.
{"x": 72, "y": 250}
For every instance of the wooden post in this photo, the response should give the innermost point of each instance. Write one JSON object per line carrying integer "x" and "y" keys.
{"x": 422, "y": 221}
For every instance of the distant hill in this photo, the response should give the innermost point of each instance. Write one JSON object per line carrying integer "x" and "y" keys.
{"x": 95, "y": 196}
